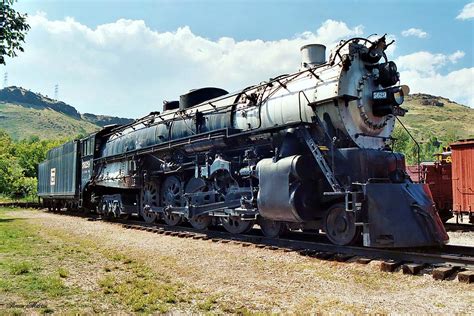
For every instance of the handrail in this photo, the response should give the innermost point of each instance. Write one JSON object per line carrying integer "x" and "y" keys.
{"x": 417, "y": 148}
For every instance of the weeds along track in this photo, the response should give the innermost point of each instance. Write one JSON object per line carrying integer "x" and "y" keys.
{"x": 444, "y": 263}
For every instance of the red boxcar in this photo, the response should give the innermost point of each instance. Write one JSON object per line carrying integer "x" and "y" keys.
{"x": 438, "y": 177}
{"x": 463, "y": 178}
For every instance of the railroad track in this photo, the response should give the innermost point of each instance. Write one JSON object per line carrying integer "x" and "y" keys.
{"x": 21, "y": 204}
{"x": 444, "y": 263}
{"x": 461, "y": 227}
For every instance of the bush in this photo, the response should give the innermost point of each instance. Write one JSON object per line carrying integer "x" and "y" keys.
{"x": 19, "y": 164}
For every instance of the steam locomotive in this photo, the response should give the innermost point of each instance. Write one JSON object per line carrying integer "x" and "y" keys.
{"x": 308, "y": 150}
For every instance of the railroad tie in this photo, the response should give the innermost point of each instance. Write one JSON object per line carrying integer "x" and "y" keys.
{"x": 443, "y": 273}
{"x": 324, "y": 255}
{"x": 342, "y": 257}
{"x": 466, "y": 276}
{"x": 362, "y": 260}
{"x": 389, "y": 266}
{"x": 412, "y": 268}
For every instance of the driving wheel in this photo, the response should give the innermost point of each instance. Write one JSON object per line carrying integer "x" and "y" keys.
{"x": 171, "y": 195}
{"x": 149, "y": 198}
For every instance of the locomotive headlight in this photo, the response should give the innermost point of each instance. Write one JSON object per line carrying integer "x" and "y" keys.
{"x": 388, "y": 101}
{"x": 388, "y": 74}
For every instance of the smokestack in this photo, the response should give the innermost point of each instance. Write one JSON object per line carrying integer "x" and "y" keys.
{"x": 313, "y": 55}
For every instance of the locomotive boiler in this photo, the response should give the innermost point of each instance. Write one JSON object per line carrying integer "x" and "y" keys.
{"x": 308, "y": 150}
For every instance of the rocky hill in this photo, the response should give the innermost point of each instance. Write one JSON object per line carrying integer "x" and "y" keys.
{"x": 103, "y": 120}
{"x": 437, "y": 116}
{"x": 28, "y": 99}
{"x": 24, "y": 113}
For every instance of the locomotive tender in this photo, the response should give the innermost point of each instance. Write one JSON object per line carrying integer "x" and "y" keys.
{"x": 308, "y": 150}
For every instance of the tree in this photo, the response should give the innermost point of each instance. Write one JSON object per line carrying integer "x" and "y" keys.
{"x": 30, "y": 152}
{"x": 10, "y": 169}
{"x": 13, "y": 28}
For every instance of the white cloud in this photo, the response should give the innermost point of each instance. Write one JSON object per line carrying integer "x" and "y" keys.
{"x": 422, "y": 72}
{"x": 422, "y": 62}
{"x": 414, "y": 32}
{"x": 456, "y": 85}
{"x": 427, "y": 63}
{"x": 125, "y": 68}
{"x": 467, "y": 12}
{"x": 455, "y": 56}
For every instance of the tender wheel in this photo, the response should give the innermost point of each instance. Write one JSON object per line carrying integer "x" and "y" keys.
{"x": 272, "y": 229}
{"x": 235, "y": 225}
{"x": 171, "y": 195}
{"x": 149, "y": 198}
{"x": 340, "y": 226}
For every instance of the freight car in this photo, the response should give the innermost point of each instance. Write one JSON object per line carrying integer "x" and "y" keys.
{"x": 437, "y": 175}
{"x": 306, "y": 150}
{"x": 450, "y": 179}
{"x": 462, "y": 156}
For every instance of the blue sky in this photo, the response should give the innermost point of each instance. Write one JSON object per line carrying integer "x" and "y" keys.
{"x": 116, "y": 48}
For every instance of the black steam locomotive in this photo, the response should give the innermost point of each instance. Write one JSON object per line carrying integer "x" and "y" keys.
{"x": 307, "y": 150}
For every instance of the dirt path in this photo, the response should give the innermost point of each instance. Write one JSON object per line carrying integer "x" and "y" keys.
{"x": 241, "y": 279}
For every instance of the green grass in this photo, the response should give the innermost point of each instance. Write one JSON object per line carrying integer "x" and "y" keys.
{"x": 8, "y": 199}
{"x": 138, "y": 287}
{"x": 42, "y": 269}
{"x": 22, "y": 122}
{"x": 23, "y": 264}
{"x": 449, "y": 121}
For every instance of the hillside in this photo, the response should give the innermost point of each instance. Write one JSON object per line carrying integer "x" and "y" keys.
{"x": 24, "y": 113}
{"x": 437, "y": 116}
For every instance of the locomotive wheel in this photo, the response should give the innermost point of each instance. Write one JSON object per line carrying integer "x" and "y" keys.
{"x": 272, "y": 229}
{"x": 149, "y": 197}
{"x": 104, "y": 210}
{"x": 171, "y": 195}
{"x": 200, "y": 222}
{"x": 340, "y": 226}
{"x": 199, "y": 185}
{"x": 235, "y": 225}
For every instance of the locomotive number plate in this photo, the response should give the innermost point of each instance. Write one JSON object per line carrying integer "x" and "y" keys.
{"x": 377, "y": 95}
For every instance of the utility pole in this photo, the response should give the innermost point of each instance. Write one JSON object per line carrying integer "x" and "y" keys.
{"x": 56, "y": 92}
{"x": 5, "y": 80}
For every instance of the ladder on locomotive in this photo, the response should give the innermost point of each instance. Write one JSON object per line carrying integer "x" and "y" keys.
{"x": 319, "y": 156}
